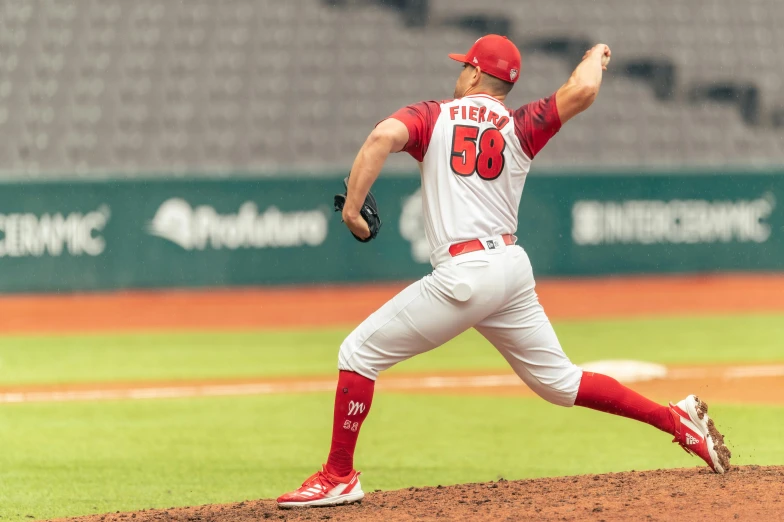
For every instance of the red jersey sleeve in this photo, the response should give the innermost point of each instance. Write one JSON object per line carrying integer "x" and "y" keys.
{"x": 419, "y": 119}
{"x": 535, "y": 123}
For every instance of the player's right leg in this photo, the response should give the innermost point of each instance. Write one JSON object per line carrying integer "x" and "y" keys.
{"x": 418, "y": 319}
{"x": 523, "y": 334}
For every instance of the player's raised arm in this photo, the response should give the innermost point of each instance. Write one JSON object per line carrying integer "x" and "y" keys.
{"x": 579, "y": 92}
{"x": 389, "y": 136}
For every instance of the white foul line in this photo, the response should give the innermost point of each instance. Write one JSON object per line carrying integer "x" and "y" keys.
{"x": 222, "y": 390}
{"x": 407, "y": 383}
{"x": 737, "y": 372}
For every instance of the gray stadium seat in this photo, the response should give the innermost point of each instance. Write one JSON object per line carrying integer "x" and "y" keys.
{"x": 96, "y": 87}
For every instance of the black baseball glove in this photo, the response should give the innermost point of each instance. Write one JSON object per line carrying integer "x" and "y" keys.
{"x": 369, "y": 212}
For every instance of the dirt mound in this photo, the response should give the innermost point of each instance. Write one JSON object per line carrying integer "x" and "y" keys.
{"x": 746, "y": 493}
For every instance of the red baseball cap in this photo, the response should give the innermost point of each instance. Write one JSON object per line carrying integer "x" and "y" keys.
{"x": 496, "y": 55}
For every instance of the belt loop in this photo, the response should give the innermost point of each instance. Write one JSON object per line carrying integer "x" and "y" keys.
{"x": 440, "y": 255}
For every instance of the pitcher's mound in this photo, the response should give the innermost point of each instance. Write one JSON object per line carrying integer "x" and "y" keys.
{"x": 745, "y": 493}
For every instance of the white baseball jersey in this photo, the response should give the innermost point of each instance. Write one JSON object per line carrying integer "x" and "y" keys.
{"x": 474, "y": 155}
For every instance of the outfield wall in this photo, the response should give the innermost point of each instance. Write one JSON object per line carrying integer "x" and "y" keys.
{"x": 90, "y": 235}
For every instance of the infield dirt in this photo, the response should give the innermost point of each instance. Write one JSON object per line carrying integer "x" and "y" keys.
{"x": 747, "y": 493}
{"x": 195, "y": 309}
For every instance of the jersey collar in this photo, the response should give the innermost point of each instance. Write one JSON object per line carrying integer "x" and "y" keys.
{"x": 484, "y": 96}
{"x": 480, "y": 95}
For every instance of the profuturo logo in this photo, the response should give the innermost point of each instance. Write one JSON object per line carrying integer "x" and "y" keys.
{"x": 203, "y": 227}
{"x": 172, "y": 221}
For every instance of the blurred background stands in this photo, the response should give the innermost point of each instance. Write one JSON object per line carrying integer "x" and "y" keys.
{"x": 97, "y": 87}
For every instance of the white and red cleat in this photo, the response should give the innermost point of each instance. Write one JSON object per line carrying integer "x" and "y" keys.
{"x": 324, "y": 489}
{"x": 697, "y": 434}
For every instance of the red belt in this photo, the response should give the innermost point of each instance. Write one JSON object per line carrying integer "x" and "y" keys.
{"x": 475, "y": 245}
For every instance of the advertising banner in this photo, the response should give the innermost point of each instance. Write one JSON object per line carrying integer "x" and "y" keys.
{"x": 73, "y": 236}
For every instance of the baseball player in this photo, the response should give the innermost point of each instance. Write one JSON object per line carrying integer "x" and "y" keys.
{"x": 474, "y": 155}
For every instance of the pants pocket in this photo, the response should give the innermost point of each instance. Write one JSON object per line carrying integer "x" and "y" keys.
{"x": 461, "y": 279}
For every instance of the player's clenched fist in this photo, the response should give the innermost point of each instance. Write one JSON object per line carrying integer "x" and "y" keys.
{"x": 364, "y": 223}
{"x": 357, "y": 225}
{"x": 602, "y": 50}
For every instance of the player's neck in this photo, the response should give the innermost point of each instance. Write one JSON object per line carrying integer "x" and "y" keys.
{"x": 472, "y": 91}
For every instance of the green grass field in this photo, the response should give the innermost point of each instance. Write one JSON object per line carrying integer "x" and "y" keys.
{"x": 78, "y": 458}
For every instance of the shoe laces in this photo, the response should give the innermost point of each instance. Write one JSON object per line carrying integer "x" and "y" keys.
{"x": 320, "y": 477}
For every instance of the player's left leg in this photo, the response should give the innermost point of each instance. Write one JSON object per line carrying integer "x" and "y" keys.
{"x": 421, "y": 317}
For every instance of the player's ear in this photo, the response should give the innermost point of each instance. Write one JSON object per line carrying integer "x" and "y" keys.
{"x": 476, "y": 76}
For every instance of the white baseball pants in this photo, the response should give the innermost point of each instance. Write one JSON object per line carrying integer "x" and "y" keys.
{"x": 491, "y": 290}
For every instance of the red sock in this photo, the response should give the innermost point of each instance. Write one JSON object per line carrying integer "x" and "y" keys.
{"x": 603, "y": 393}
{"x": 352, "y": 404}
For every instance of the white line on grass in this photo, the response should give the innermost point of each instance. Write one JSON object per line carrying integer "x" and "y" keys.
{"x": 392, "y": 383}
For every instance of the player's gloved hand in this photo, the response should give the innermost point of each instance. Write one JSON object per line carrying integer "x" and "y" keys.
{"x": 368, "y": 213}
{"x": 356, "y": 225}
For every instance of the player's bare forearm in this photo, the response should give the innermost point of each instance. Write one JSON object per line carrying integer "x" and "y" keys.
{"x": 389, "y": 136}
{"x": 579, "y": 92}
{"x": 367, "y": 166}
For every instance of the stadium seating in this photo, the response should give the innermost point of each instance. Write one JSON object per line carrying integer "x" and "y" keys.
{"x": 113, "y": 87}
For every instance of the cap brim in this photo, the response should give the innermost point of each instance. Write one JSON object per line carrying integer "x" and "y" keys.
{"x": 458, "y": 57}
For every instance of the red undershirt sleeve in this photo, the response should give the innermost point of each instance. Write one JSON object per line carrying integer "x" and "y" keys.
{"x": 535, "y": 123}
{"x": 419, "y": 119}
